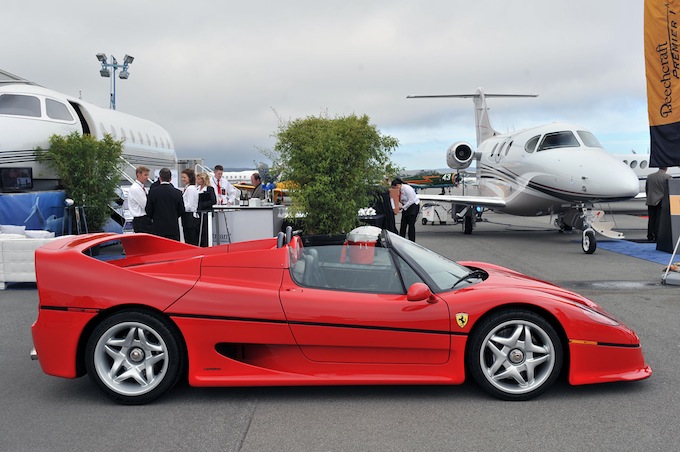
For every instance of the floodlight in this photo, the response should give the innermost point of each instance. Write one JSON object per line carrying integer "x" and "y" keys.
{"x": 106, "y": 69}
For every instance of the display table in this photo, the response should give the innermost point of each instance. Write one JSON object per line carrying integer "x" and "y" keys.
{"x": 229, "y": 224}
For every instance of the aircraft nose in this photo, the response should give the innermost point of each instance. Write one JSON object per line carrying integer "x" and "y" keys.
{"x": 630, "y": 183}
{"x": 620, "y": 182}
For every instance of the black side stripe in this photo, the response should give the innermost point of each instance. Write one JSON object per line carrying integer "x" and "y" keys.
{"x": 54, "y": 308}
{"x": 319, "y": 324}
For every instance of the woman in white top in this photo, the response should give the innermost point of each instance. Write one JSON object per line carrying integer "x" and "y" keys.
{"x": 190, "y": 221}
{"x": 206, "y": 200}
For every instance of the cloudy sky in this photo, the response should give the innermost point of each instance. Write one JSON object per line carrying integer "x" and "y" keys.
{"x": 220, "y": 76}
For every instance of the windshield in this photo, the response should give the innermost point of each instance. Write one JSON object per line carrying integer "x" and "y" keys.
{"x": 589, "y": 139}
{"x": 565, "y": 139}
{"x": 442, "y": 271}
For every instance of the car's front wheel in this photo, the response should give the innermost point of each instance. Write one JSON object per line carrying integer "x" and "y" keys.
{"x": 515, "y": 355}
{"x": 134, "y": 357}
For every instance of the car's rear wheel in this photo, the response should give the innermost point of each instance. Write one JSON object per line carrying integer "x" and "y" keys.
{"x": 134, "y": 357}
{"x": 515, "y": 355}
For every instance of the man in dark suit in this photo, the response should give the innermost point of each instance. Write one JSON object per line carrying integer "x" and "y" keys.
{"x": 165, "y": 205}
{"x": 655, "y": 188}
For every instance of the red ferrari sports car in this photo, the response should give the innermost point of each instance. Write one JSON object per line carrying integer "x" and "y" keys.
{"x": 138, "y": 312}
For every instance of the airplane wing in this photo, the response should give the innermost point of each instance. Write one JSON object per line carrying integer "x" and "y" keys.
{"x": 481, "y": 201}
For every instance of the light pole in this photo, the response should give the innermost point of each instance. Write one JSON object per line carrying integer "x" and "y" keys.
{"x": 105, "y": 72}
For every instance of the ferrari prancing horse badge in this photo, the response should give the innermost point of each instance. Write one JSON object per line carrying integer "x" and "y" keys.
{"x": 462, "y": 319}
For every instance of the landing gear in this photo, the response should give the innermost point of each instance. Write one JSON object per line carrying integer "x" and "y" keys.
{"x": 468, "y": 224}
{"x": 580, "y": 217}
{"x": 562, "y": 225}
{"x": 468, "y": 217}
{"x": 589, "y": 243}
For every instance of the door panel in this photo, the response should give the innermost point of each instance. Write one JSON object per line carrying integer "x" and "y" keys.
{"x": 352, "y": 327}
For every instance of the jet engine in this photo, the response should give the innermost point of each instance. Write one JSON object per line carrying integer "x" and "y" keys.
{"x": 459, "y": 155}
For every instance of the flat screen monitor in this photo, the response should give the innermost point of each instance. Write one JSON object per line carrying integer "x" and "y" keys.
{"x": 16, "y": 179}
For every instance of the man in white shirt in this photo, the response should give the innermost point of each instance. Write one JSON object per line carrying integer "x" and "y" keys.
{"x": 226, "y": 193}
{"x": 410, "y": 206}
{"x": 137, "y": 201}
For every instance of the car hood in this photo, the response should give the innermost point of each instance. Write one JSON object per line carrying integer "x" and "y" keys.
{"x": 504, "y": 278}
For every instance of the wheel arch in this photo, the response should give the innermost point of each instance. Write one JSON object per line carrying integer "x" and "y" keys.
{"x": 546, "y": 314}
{"x": 105, "y": 314}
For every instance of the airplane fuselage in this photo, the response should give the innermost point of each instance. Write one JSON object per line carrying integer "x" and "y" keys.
{"x": 548, "y": 169}
{"x": 30, "y": 114}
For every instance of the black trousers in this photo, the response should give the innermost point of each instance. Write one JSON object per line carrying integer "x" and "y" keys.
{"x": 408, "y": 221}
{"x": 190, "y": 227}
{"x": 141, "y": 224}
{"x": 654, "y": 215}
{"x": 203, "y": 228}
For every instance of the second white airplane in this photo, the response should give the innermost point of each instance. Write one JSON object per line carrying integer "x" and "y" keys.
{"x": 555, "y": 169}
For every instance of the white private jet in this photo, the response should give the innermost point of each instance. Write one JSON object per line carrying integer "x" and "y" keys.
{"x": 555, "y": 169}
{"x": 30, "y": 114}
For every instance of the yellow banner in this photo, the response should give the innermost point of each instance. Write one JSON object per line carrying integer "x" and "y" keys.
{"x": 662, "y": 60}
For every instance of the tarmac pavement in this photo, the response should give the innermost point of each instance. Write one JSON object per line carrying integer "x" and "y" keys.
{"x": 40, "y": 412}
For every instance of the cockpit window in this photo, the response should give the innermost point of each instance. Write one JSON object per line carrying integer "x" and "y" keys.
{"x": 589, "y": 139}
{"x": 19, "y": 105}
{"x": 57, "y": 110}
{"x": 530, "y": 145}
{"x": 565, "y": 139}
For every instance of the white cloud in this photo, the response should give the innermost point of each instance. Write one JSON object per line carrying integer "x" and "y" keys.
{"x": 213, "y": 73}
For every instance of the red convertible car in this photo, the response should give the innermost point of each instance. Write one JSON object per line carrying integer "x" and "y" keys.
{"x": 138, "y": 312}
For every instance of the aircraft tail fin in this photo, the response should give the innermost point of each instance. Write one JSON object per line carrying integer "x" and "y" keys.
{"x": 482, "y": 121}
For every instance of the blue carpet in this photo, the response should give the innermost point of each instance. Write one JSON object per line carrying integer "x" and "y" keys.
{"x": 646, "y": 251}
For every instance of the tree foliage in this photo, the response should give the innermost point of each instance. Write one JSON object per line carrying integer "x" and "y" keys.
{"x": 334, "y": 164}
{"x": 88, "y": 170}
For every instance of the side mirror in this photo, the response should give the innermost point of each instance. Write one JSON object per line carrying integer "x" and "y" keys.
{"x": 419, "y": 292}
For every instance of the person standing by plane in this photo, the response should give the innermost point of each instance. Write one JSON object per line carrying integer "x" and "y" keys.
{"x": 410, "y": 206}
{"x": 654, "y": 189}
{"x": 227, "y": 194}
{"x": 165, "y": 206}
{"x": 137, "y": 201}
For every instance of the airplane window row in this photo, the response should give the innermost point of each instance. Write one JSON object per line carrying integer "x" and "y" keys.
{"x": 643, "y": 164}
{"x": 30, "y": 106}
{"x": 500, "y": 150}
{"x": 162, "y": 142}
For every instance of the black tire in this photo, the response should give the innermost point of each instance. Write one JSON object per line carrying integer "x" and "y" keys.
{"x": 589, "y": 243}
{"x": 134, "y": 357}
{"x": 424, "y": 221}
{"x": 504, "y": 364}
{"x": 467, "y": 225}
